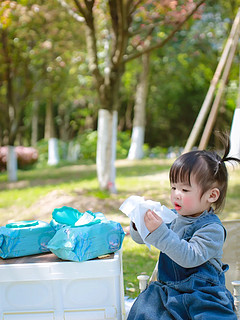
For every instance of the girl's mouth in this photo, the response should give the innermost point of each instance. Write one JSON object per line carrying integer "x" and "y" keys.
{"x": 177, "y": 206}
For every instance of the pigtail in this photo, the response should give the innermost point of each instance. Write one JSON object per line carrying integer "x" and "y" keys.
{"x": 225, "y": 139}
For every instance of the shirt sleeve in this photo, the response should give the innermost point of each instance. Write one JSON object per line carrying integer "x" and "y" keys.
{"x": 135, "y": 235}
{"x": 205, "y": 244}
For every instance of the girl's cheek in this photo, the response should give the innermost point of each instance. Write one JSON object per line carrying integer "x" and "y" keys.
{"x": 187, "y": 202}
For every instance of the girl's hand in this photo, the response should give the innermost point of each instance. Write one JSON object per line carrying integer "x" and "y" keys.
{"x": 152, "y": 220}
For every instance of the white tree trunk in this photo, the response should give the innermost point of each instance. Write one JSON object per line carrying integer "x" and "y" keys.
{"x": 138, "y": 132}
{"x": 235, "y": 135}
{"x": 106, "y": 149}
{"x": 53, "y": 156}
{"x": 73, "y": 153}
{"x": 12, "y": 164}
{"x": 137, "y": 141}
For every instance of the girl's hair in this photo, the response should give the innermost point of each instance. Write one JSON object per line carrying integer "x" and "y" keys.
{"x": 208, "y": 169}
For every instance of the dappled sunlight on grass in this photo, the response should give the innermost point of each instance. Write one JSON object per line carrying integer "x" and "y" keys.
{"x": 54, "y": 174}
{"x": 22, "y": 197}
{"x": 141, "y": 168}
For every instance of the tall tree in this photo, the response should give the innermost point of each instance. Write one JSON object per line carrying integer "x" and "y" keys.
{"x": 114, "y": 35}
{"x": 36, "y": 61}
{"x": 138, "y": 131}
{"x": 15, "y": 80}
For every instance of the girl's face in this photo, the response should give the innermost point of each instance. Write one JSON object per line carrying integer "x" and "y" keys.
{"x": 188, "y": 199}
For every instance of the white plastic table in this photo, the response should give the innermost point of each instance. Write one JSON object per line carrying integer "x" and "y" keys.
{"x": 44, "y": 287}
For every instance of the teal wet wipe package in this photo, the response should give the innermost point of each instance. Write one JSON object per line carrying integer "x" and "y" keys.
{"x": 68, "y": 216}
{"x": 24, "y": 238}
{"x": 84, "y": 236}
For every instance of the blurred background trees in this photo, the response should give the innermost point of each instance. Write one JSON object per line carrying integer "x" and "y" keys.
{"x": 48, "y": 84}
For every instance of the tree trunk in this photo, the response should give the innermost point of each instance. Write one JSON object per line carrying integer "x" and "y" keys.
{"x": 137, "y": 139}
{"x": 49, "y": 121}
{"x": 73, "y": 151}
{"x": 107, "y": 131}
{"x": 63, "y": 127}
{"x": 50, "y": 134}
{"x": 120, "y": 16}
{"x": 106, "y": 149}
{"x": 53, "y": 156}
{"x": 34, "y": 136}
{"x": 12, "y": 164}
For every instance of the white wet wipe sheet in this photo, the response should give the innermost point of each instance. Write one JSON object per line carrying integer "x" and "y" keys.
{"x": 84, "y": 219}
{"x": 135, "y": 208}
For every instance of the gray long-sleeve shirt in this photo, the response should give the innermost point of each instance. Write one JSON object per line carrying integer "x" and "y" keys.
{"x": 205, "y": 245}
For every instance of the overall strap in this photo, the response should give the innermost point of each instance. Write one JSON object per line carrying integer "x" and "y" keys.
{"x": 205, "y": 219}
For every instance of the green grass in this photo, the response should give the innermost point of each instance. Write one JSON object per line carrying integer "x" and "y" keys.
{"x": 137, "y": 259}
{"x": 148, "y": 177}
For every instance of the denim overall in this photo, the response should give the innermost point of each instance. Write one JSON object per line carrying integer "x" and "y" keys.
{"x": 197, "y": 293}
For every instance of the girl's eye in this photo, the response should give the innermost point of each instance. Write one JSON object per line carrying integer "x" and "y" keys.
{"x": 185, "y": 190}
{"x": 173, "y": 188}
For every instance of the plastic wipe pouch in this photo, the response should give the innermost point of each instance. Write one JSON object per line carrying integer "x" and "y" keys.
{"x": 135, "y": 208}
{"x": 84, "y": 236}
{"x": 25, "y": 238}
{"x": 68, "y": 216}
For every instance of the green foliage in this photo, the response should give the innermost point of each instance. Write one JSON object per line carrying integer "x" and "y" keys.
{"x": 42, "y": 46}
{"x": 42, "y": 147}
{"x": 180, "y": 76}
{"x": 123, "y": 144}
{"x": 49, "y": 63}
{"x": 88, "y": 147}
{"x": 155, "y": 152}
{"x": 88, "y": 144}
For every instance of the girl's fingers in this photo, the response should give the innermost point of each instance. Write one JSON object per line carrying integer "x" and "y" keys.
{"x": 150, "y": 216}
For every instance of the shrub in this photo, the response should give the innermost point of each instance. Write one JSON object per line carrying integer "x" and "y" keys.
{"x": 123, "y": 144}
{"x": 26, "y": 156}
{"x": 88, "y": 145}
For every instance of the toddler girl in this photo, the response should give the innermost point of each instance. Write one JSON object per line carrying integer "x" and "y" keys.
{"x": 191, "y": 281}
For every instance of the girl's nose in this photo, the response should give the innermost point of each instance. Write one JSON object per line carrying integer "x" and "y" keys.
{"x": 178, "y": 194}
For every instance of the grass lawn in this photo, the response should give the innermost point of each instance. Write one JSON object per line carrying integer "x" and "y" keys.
{"x": 38, "y": 191}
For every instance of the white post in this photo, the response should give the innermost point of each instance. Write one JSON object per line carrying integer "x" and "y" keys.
{"x": 236, "y": 296}
{"x": 143, "y": 281}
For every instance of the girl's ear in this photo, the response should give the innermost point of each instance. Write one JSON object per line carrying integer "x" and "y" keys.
{"x": 214, "y": 194}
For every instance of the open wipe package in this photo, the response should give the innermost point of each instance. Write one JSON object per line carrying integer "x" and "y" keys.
{"x": 84, "y": 236}
{"x": 68, "y": 216}
{"x": 24, "y": 238}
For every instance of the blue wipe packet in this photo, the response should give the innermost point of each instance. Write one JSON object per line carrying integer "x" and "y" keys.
{"x": 99, "y": 236}
{"x": 23, "y": 238}
{"x": 68, "y": 216}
